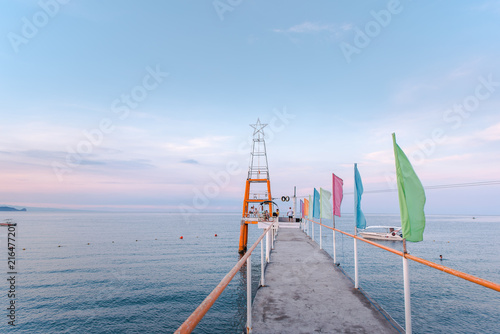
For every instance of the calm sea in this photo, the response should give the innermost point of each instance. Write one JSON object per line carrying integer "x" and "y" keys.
{"x": 131, "y": 272}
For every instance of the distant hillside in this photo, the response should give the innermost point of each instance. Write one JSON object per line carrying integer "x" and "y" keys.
{"x": 8, "y": 208}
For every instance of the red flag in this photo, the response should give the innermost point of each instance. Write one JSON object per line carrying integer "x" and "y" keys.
{"x": 338, "y": 194}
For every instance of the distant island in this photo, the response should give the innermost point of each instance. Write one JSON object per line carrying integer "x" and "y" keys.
{"x": 8, "y": 208}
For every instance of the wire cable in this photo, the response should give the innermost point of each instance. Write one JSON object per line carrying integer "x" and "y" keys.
{"x": 439, "y": 186}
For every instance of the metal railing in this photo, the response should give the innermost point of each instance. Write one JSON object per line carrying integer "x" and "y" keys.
{"x": 406, "y": 257}
{"x": 192, "y": 321}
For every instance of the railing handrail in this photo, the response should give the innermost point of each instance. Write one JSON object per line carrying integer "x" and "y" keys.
{"x": 454, "y": 272}
{"x": 192, "y": 321}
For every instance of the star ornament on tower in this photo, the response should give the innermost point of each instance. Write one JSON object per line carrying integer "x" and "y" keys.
{"x": 258, "y": 127}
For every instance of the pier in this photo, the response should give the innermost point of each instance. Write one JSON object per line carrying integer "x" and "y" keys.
{"x": 305, "y": 292}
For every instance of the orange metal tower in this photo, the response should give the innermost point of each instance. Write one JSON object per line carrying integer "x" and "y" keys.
{"x": 258, "y": 186}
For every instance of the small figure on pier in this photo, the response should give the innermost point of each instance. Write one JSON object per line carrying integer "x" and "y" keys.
{"x": 253, "y": 211}
{"x": 290, "y": 214}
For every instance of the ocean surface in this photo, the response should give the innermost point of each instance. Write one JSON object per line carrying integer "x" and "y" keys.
{"x": 131, "y": 272}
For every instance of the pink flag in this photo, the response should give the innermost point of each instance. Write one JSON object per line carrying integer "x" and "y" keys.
{"x": 337, "y": 194}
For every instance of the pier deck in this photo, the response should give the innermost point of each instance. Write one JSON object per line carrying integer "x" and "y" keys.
{"x": 306, "y": 293}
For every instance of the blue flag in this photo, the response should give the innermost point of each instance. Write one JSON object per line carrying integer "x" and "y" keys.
{"x": 358, "y": 191}
{"x": 316, "y": 204}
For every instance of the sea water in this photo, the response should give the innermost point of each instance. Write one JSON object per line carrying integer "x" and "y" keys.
{"x": 132, "y": 272}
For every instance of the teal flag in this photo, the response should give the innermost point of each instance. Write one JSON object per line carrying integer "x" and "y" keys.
{"x": 326, "y": 206}
{"x": 358, "y": 191}
{"x": 316, "y": 204}
{"x": 411, "y": 197}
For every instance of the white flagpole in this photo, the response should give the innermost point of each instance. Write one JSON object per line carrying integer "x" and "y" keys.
{"x": 334, "y": 246}
{"x": 320, "y": 219}
{"x": 406, "y": 280}
{"x": 356, "y": 281}
{"x": 320, "y": 234}
{"x": 333, "y": 215}
{"x": 312, "y": 224}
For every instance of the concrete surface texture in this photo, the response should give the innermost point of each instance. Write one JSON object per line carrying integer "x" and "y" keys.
{"x": 306, "y": 293}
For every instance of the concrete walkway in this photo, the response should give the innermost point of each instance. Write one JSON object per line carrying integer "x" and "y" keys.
{"x": 306, "y": 293}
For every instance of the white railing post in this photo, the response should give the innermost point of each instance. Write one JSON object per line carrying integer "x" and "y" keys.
{"x": 406, "y": 279}
{"x": 249, "y": 294}
{"x": 272, "y": 238}
{"x": 275, "y": 231}
{"x": 320, "y": 236}
{"x": 262, "y": 268}
{"x": 334, "y": 249}
{"x": 312, "y": 223}
{"x": 356, "y": 280}
{"x": 267, "y": 246}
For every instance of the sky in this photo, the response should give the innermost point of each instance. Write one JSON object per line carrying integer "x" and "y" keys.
{"x": 146, "y": 105}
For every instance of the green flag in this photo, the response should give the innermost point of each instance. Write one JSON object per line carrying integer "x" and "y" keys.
{"x": 326, "y": 207}
{"x": 411, "y": 197}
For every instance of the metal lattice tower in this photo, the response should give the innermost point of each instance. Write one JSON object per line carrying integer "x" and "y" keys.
{"x": 258, "y": 157}
{"x": 258, "y": 184}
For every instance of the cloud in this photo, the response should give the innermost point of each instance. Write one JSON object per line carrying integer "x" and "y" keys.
{"x": 92, "y": 162}
{"x": 196, "y": 144}
{"x": 116, "y": 165}
{"x": 314, "y": 28}
{"x": 381, "y": 157}
{"x": 33, "y": 156}
{"x": 474, "y": 139}
{"x": 490, "y": 134}
{"x": 454, "y": 158}
{"x": 306, "y": 27}
{"x": 190, "y": 161}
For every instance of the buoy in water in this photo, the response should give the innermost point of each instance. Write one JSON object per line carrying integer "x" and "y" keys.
{"x": 181, "y": 237}
{"x": 216, "y": 234}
